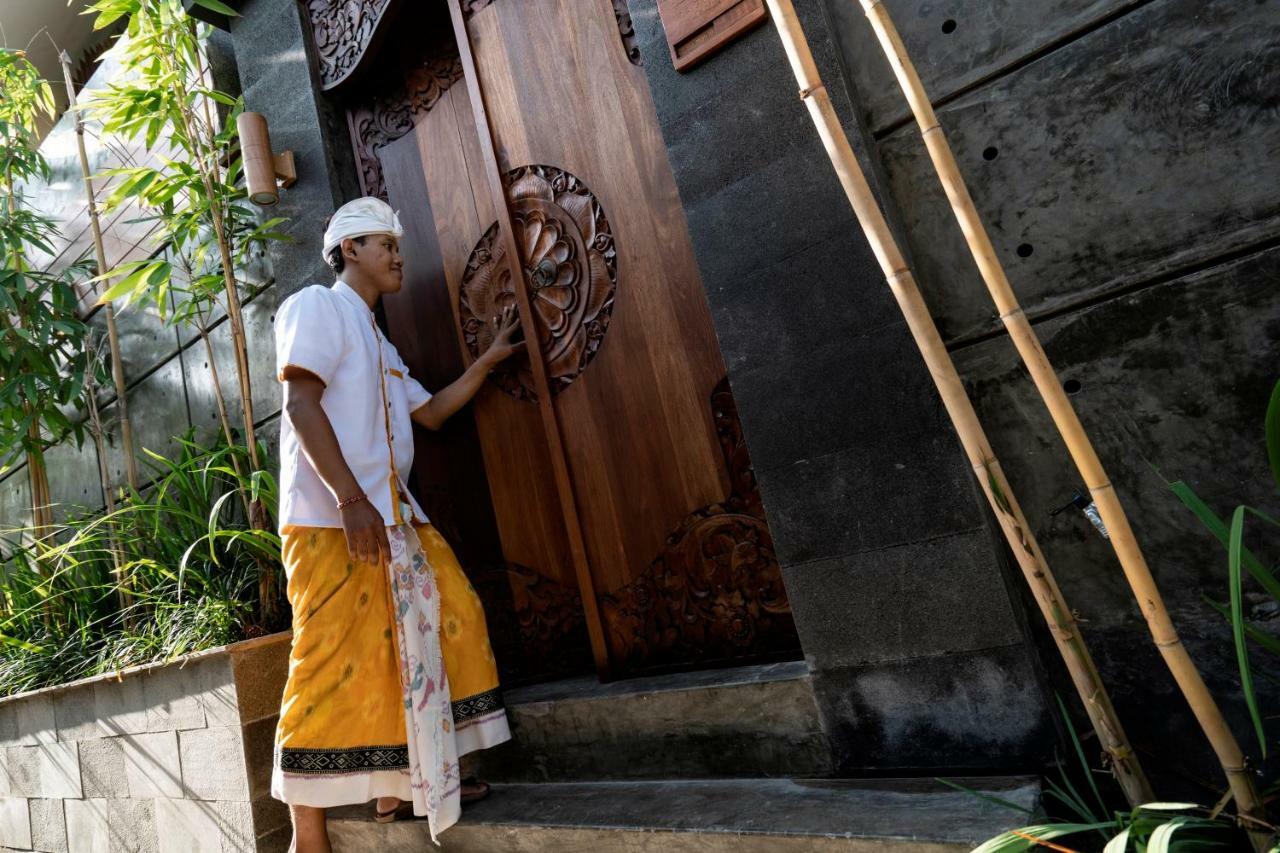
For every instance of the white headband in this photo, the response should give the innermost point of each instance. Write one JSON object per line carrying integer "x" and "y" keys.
{"x": 360, "y": 218}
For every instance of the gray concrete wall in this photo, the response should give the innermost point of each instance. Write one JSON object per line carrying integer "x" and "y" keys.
{"x": 916, "y": 646}
{"x": 1123, "y": 156}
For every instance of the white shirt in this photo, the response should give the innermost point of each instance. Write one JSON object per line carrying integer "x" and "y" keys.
{"x": 330, "y": 331}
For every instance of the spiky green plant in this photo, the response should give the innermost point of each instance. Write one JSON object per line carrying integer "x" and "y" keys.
{"x": 189, "y": 552}
{"x": 1149, "y": 828}
{"x": 1243, "y": 566}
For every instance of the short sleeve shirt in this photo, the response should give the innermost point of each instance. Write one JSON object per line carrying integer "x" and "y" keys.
{"x": 330, "y": 332}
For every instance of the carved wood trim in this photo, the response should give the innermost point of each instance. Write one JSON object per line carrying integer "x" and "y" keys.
{"x": 470, "y": 7}
{"x": 343, "y": 32}
{"x": 627, "y": 32}
{"x": 715, "y": 592}
{"x": 388, "y": 117}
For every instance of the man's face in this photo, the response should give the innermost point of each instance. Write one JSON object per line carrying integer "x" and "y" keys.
{"x": 378, "y": 260}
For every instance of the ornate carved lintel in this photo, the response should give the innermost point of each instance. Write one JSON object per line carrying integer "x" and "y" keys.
{"x": 344, "y": 31}
{"x": 390, "y": 116}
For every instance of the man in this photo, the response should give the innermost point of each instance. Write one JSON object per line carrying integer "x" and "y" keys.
{"x": 391, "y": 675}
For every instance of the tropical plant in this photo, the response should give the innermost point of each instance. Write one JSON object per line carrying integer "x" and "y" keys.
{"x": 1242, "y": 563}
{"x": 186, "y": 546}
{"x": 206, "y": 229}
{"x": 1092, "y": 826}
{"x": 42, "y": 360}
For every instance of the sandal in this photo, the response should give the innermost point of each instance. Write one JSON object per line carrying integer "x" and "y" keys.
{"x": 404, "y": 811}
{"x": 476, "y": 796}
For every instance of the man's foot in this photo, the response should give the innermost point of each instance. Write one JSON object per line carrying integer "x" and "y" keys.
{"x": 474, "y": 790}
{"x": 389, "y": 809}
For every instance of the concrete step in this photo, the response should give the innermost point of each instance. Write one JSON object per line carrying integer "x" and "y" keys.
{"x": 739, "y": 722}
{"x": 708, "y": 816}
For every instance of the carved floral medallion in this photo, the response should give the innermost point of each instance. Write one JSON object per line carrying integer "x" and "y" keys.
{"x": 570, "y": 270}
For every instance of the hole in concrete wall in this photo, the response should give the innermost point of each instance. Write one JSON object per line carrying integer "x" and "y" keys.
{"x": 948, "y": 26}
{"x": 1071, "y": 386}
{"x": 1025, "y": 250}
{"x": 990, "y": 153}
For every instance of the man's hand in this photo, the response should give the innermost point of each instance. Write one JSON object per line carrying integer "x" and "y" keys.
{"x": 505, "y": 325}
{"x": 366, "y": 533}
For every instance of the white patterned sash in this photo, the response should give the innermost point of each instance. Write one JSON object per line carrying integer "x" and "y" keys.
{"x": 433, "y": 753}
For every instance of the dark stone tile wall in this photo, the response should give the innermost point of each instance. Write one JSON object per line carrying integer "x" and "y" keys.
{"x": 1131, "y": 146}
{"x": 916, "y": 648}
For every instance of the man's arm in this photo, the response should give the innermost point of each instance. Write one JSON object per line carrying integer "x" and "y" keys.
{"x": 363, "y": 525}
{"x": 459, "y": 392}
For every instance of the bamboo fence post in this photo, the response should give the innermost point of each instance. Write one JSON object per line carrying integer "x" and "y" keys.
{"x": 1004, "y": 505}
{"x": 1067, "y": 422}
{"x": 113, "y": 336}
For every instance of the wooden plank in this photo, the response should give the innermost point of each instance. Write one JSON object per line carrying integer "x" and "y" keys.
{"x": 551, "y": 425}
{"x": 638, "y": 426}
{"x": 521, "y": 481}
{"x": 696, "y": 29}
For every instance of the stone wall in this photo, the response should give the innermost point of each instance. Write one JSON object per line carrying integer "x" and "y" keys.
{"x": 169, "y": 758}
{"x": 1122, "y": 155}
{"x": 917, "y": 648}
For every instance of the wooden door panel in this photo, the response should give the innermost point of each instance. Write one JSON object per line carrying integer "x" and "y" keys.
{"x": 679, "y": 552}
{"x": 510, "y": 432}
{"x": 485, "y": 478}
{"x": 637, "y": 423}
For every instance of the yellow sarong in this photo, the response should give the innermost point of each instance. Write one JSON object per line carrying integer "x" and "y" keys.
{"x": 341, "y": 737}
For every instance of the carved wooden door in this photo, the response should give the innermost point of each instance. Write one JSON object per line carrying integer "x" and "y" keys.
{"x": 679, "y": 554}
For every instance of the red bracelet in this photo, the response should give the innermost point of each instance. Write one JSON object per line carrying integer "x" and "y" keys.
{"x": 354, "y": 499}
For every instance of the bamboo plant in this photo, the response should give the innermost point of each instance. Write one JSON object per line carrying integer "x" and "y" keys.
{"x": 113, "y": 336}
{"x": 1030, "y": 350}
{"x": 1004, "y": 505}
{"x": 42, "y": 359}
{"x": 206, "y": 229}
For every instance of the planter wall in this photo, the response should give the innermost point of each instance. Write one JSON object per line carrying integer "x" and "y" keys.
{"x": 172, "y": 758}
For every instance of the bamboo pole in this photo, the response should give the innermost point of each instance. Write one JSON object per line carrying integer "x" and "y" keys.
{"x": 977, "y": 448}
{"x": 1067, "y": 422}
{"x": 100, "y": 255}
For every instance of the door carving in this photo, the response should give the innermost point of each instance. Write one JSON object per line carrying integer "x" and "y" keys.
{"x": 570, "y": 266}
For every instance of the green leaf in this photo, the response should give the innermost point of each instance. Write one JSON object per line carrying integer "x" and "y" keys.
{"x": 1218, "y": 528}
{"x": 981, "y": 795}
{"x": 1119, "y": 844}
{"x": 1235, "y": 585}
{"x": 219, "y": 7}
{"x": 1008, "y": 842}
{"x": 1084, "y": 764}
{"x": 1262, "y": 638}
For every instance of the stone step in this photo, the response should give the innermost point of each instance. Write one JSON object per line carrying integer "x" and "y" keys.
{"x": 745, "y": 721}
{"x": 709, "y": 816}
